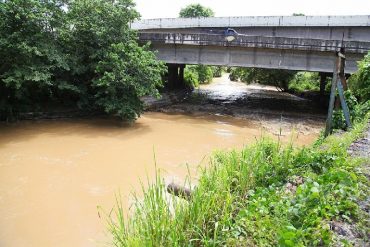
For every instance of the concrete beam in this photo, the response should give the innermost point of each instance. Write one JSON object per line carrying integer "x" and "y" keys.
{"x": 253, "y": 57}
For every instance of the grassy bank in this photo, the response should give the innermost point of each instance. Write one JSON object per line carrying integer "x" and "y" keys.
{"x": 264, "y": 195}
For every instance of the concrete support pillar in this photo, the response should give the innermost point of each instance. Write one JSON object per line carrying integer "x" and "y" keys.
{"x": 176, "y": 76}
{"x": 181, "y": 74}
{"x": 323, "y": 77}
{"x": 173, "y": 74}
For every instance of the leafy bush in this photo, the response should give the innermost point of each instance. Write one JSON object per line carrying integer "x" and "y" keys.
{"x": 205, "y": 73}
{"x": 202, "y": 74}
{"x": 358, "y": 98}
{"x": 217, "y": 71}
{"x": 191, "y": 78}
{"x": 357, "y": 111}
{"x": 360, "y": 81}
{"x": 305, "y": 81}
{"x": 237, "y": 74}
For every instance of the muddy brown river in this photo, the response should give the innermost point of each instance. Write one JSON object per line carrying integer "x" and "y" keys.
{"x": 54, "y": 173}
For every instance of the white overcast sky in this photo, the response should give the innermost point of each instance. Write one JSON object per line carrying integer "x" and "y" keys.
{"x": 171, "y": 8}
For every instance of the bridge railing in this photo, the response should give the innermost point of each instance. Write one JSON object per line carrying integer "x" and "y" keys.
{"x": 201, "y": 39}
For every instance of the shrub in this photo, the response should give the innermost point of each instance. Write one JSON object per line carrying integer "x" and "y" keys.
{"x": 237, "y": 74}
{"x": 360, "y": 81}
{"x": 278, "y": 78}
{"x": 217, "y": 71}
{"x": 191, "y": 78}
{"x": 357, "y": 111}
{"x": 205, "y": 73}
{"x": 305, "y": 81}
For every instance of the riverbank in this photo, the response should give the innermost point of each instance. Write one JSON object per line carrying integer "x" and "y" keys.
{"x": 238, "y": 99}
{"x": 220, "y": 97}
{"x": 263, "y": 195}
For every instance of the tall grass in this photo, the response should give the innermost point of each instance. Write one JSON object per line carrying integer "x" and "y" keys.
{"x": 264, "y": 195}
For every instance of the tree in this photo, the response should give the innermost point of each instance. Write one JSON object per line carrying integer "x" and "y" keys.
{"x": 112, "y": 70}
{"x": 126, "y": 73}
{"x": 196, "y": 10}
{"x": 29, "y": 52}
{"x": 75, "y": 52}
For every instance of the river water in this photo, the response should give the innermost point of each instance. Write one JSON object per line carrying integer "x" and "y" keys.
{"x": 54, "y": 173}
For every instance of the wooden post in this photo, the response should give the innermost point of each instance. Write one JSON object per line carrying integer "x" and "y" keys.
{"x": 342, "y": 76}
{"x": 332, "y": 97}
{"x": 342, "y": 86}
{"x": 338, "y": 79}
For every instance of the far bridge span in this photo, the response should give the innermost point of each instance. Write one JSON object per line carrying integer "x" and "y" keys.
{"x": 306, "y": 43}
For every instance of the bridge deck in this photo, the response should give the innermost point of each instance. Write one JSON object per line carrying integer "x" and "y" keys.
{"x": 279, "y": 42}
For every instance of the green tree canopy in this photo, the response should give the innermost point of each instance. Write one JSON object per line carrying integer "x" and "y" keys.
{"x": 196, "y": 10}
{"x": 78, "y": 52}
{"x": 30, "y": 53}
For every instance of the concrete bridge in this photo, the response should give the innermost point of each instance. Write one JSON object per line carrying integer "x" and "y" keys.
{"x": 306, "y": 43}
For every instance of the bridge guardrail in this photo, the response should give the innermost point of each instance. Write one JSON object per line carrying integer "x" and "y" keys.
{"x": 201, "y": 39}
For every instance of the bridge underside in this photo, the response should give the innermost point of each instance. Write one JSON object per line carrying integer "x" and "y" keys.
{"x": 253, "y": 57}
